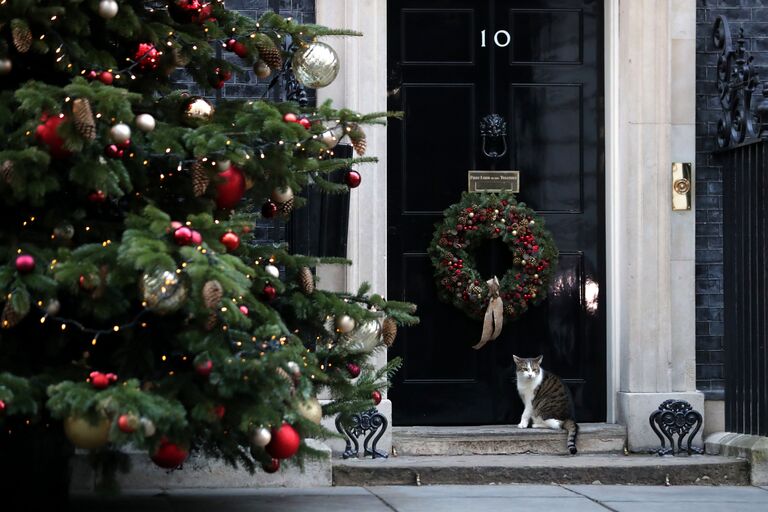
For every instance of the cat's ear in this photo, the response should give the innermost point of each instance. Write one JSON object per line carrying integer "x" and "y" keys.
{"x": 539, "y": 359}
{"x": 517, "y": 359}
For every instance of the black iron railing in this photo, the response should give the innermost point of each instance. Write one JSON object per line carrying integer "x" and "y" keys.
{"x": 743, "y": 137}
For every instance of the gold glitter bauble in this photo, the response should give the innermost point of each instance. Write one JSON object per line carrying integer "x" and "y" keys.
{"x": 86, "y": 435}
{"x": 311, "y": 410}
{"x": 163, "y": 291}
{"x": 198, "y": 111}
{"x": 315, "y": 65}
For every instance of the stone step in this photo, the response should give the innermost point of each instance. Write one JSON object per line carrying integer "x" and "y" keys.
{"x": 505, "y": 440}
{"x": 542, "y": 469}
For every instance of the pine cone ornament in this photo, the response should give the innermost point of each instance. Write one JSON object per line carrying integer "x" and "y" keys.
{"x": 22, "y": 36}
{"x": 284, "y": 375}
{"x": 306, "y": 280}
{"x": 212, "y": 294}
{"x": 200, "y": 179}
{"x": 285, "y": 208}
{"x": 6, "y": 171}
{"x": 10, "y": 317}
{"x": 180, "y": 58}
{"x": 83, "y": 118}
{"x": 211, "y": 322}
{"x": 357, "y": 136}
{"x": 269, "y": 53}
{"x": 388, "y": 331}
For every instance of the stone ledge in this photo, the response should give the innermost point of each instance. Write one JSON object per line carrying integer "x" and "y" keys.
{"x": 202, "y": 473}
{"x": 752, "y": 448}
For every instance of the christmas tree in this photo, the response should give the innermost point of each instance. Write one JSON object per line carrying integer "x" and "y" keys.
{"x": 137, "y": 308}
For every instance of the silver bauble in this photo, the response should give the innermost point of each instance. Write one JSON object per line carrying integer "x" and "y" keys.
{"x": 108, "y": 9}
{"x": 261, "y": 437}
{"x": 311, "y": 410}
{"x": 365, "y": 338}
{"x": 65, "y": 231}
{"x": 293, "y": 367}
{"x": 53, "y": 307}
{"x": 332, "y": 136}
{"x": 282, "y": 195}
{"x": 315, "y": 65}
{"x": 148, "y": 426}
{"x": 120, "y": 133}
{"x": 223, "y": 165}
{"x": 145, "y": 122}
{"x": 5, "y": 66}
{"x": 163, "y": 291}
{"x": 262, "y": 70}
{"x": 198, "y": 111}
{"x": 272, "y": 270}
{"x": 345, "y": 324}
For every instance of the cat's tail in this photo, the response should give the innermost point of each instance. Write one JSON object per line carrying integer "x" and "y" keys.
{"x": 573, "y": 429}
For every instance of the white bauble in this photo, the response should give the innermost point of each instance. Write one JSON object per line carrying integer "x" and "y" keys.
{"x": 261, "y": 437}
{"x": 282, "y": 195}
{"x": 148, "y": 426}
{"x": 108, "y": 9}
{"x": 223, "y": 165}
{"x": 272, "y": 270}
{"x": 120, "y": 133}
{"x": 345, "y": 324}
{"x": 332, "y": 136}
{"x": 145, "y": 122}
{"x": 293, "y": 367}
{"x": 5, "y": 66}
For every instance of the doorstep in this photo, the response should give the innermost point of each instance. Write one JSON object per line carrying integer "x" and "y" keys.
{"x": 505, "y": 440}
{"x": 543, "y": 469}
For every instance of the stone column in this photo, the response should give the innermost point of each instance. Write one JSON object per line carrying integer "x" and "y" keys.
{"x": 652, "y": 251}
{"x": 362, "y": 86}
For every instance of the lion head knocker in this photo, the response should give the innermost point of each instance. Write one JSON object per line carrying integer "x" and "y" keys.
{"x": 493, "y": 131}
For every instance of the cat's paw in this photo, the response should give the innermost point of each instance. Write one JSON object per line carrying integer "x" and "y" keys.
{"x": 522, "y": 424}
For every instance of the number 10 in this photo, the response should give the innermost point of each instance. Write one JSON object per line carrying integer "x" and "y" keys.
{"x": 497, "y": 38}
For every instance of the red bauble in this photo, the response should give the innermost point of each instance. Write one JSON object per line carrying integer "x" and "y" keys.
{"x": 376, "y": 395}
{"x": 353, "y": 179}
{"x": 183, "y": 236}
{"x": 169, "y": 455}
{"x": 268, "y": 209}
{"x": 2, "y": 407}
{"x": 97, "y": 196}
{"x": 285, "y": 442}
{"x": 230, "y": 190}
{"x": 197, "y": 238}
{"x": 102, "y": 380}
{"x": 106, "y": 78}
{"x": 240, "y": 49}
{"x": 218, "y": 84}
{"x": 114, "y": 151}
{"x": 25, "y": 263}
{"x": 219, "y": 411}
{"x": 269, "y": 292}
{"x": 127, "y": 423}
{"x": 244, "y": 310}
{"x": 203, "y": 13}
{"x": 92, "y": 75}
{"x": 47, "y": 133}
{"x": 204, "y": 368}
{"x": 176, "y": 225}
{"x": 353, "y": 369}
{"x": 230, "y": 240}
{"x": 290, "y": 118}
{"x": 306, "y": 123}
{"x": 147, "y": 56}
{"x": 272, "y": 466}
{"x": 231, "y": 44}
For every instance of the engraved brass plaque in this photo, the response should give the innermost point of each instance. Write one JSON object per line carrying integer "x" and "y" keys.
{"x": 493, "y": 181}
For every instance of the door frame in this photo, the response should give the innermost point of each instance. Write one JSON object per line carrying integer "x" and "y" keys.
{"x": 364, "y": 69}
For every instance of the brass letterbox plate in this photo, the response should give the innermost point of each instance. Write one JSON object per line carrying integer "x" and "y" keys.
{"x": 493, "y": 181}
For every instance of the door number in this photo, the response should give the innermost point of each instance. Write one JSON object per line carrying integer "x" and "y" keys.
{"x": 501, "y": 38}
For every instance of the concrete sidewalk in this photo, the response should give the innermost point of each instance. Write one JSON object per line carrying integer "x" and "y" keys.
{"x": 447, "y": 498}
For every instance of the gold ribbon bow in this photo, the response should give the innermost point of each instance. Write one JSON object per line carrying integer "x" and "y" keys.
{"x": 494, "y": 315}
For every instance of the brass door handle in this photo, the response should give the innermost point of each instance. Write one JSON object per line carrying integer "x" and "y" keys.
{"x": 681, "y": 186}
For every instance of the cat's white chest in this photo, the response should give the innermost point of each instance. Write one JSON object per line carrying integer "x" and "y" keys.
{"x": 527, "y": 389}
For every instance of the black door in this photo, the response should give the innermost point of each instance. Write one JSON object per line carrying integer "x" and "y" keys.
{"x": 538, "y": 63}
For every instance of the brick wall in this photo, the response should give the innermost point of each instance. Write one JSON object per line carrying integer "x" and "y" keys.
{"x": 752, "y": 15}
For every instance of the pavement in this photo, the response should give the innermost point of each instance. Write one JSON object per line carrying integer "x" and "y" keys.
{"x": 442, "y": 498}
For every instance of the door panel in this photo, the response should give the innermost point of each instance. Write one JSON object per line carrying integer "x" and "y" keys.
{"x": 547, "y": 83}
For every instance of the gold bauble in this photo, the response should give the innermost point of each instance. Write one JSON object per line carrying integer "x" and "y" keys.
{"x": 311, "y": 410}
{"x": 198, "y": 111}
{"x": 163, "y": 291}
{"x": 86, "y": 435}
{"x": 315, "y": 65}
{"x": 282, "y": 195}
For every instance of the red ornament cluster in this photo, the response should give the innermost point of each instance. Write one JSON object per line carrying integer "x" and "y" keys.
{"x": 104, "y": 77}
{"x": 186, "y": 236}
{"x": 48, "y": 134}
{"x": 102, "y": 380}
{"x": 204, "y": 368}
{"x": 479, "y": 217}
{"x": 147, "y": 56}
{"x": 302, "y": 120}
{"x": 239, "y": 49}
{"x": 220, "y": 76}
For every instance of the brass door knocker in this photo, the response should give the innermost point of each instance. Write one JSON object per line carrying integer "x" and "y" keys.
{"x": 494, "y": 127}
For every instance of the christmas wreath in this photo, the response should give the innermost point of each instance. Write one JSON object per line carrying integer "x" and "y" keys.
{"x": 481, "y": 216}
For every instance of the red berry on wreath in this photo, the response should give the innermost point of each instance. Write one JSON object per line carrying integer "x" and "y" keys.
{"x": 284, "y": 443}
{"x": 272, "y": 466}
{"x": 353, "y": 178}
{"x": 169, "y": 455}
{"x": 204, "y": 368}
{"x": 183, "y": 236}
{"x": 376, "y": 395}
{"x": 106, "y": 78}
{"x": 230, "y": 240}
{"x": 269, "y": 209}
{"x": 269, "y": 292}
{"x": 25, "y": 263}
{"x": 290, "y": 118}
{"x": 353, "y": 370}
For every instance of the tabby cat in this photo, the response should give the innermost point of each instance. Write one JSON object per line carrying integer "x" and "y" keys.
{"x": 547, "y": 401}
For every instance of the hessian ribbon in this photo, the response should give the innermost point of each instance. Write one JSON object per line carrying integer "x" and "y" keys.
{"x": 494, "y": 315}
